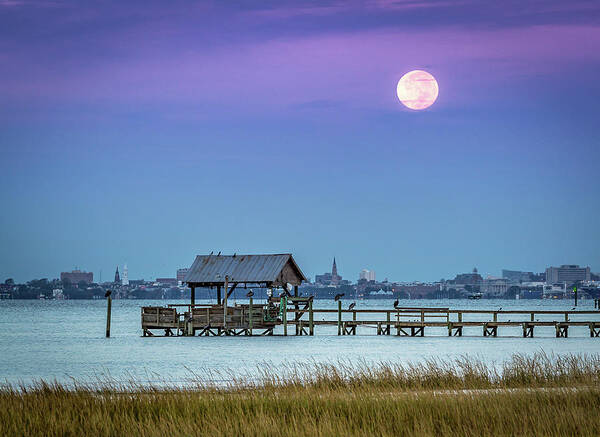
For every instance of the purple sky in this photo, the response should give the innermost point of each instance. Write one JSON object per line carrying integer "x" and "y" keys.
{"x": 146, "y": 132}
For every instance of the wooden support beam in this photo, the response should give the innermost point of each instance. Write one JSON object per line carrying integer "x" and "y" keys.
{"x": 311, "y": 330}
{"x": 231, "y": 289}
{"x": 339, "y": 317}
{"x": 389, "y": 330}
{"x": 218, "y": 295}
{"x": 192, "y": 295}
{"x": 562, "y": 330}
{"x": 225, "y": 303}
{"x": 283, "y": 306}
{"x": 250, "y": 310}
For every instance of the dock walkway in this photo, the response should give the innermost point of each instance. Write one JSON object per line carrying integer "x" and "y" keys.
{"x": 285, "y": 312}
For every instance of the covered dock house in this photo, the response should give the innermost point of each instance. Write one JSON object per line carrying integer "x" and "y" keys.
{"x": 224, "y": 273}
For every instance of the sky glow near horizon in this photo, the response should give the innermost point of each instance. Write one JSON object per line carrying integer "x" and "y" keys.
{"x": 144, "y": 134}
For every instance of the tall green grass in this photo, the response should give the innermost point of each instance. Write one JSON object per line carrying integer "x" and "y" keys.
{"x": 527, "y": 395}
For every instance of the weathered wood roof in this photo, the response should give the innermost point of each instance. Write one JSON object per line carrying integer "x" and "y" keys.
{"x": 271, "y": 270}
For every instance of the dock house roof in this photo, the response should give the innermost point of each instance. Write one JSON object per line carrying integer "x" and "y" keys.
{"x": 268, "y": 270}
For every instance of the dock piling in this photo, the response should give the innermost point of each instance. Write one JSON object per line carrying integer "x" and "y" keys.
{"x": 311, "y": 330}
{"x": 339, "y": 317}
{"x": 283, "y": 303}
{"x": 108, "y": 310}
{"x": 250, "y": 310}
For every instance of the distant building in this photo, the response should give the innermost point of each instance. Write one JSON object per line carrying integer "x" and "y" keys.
{"x": 117, "y": 276}
{"x": 76, "y": 276}
{"x": 125, "y": 278}
{"x": 494, "y": 287}
{"x": 167, "y": 281}
{"x": 473, "y": 278}
{"x": 368, "y": 275}
{"x": 568, "y": 273}
{"x": 181, "y": 275}
{"x": 330, "y": 278}
{"x": 517, "y": 276}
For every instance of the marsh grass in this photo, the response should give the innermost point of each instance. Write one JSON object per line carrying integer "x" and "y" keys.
{"x": 527, "y": 395}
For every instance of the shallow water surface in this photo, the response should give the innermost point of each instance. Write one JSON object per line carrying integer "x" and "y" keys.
{"x": 65, "y": 339}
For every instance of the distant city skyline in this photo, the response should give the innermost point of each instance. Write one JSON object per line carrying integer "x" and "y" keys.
{"x": 179, "y": 273}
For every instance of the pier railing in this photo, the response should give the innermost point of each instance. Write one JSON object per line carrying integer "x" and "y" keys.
{"x": 411, "y": 321}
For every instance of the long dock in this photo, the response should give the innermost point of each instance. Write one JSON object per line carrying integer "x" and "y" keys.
{"x": 298, "y": 312}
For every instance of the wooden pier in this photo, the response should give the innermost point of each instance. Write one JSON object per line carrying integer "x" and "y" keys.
{"x": 285, "y": 312}
{"x": 280, "y": 272}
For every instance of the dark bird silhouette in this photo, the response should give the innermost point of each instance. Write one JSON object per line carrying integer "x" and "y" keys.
{"x": 396, "y": 303}
{"x": 572, "y": 308}
{"x": 108, "y": 293}
{"x": 352, "y": 305}
{"x": 311, "y": 298}
{"x": 250, "y": 294}
{"x": 500, "y": 309}
{"x": 338, "y": 296}
{"x": 219, "y": 254}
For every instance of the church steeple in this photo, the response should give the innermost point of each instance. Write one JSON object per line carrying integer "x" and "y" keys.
{"x": 117, "y": 276}
{"x": 334, "y": 269}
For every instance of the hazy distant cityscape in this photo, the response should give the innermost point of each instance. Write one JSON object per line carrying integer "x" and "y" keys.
{"x": 556, "y": 282}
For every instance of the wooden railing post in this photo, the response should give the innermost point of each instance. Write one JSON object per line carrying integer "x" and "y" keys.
{"x": 283, "y": 305}
{"x": 225, "y": 304}
{"x": 250, "y": 310}
{"x": 310, "y": 318}
{"x": 388, "y": 322}
{"x": 339, "y": 317}
{"x": 108, "y": 310}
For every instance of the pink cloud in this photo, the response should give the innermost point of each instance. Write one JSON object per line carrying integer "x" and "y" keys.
{"x": 358, "y": 70}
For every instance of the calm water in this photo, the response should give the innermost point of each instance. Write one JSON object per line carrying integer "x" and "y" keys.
{"x": 65, "y": 339}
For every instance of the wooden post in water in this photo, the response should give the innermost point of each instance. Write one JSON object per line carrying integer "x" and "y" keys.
{"x": 340, "y": 317}
{"x": 575, "y": 291}
{"x": 250, "y": 309}
{"x": 388, "y": 322}
{"x": 108, "y": 309}
{"x": 283, "y": 305}
{"x": 311, "y": 330}
{"x": 225, "y": 304}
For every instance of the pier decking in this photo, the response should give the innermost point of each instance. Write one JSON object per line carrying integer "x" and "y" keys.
{"x": 298, "y": 312}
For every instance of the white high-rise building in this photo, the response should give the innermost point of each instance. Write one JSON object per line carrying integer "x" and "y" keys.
{"x": 125, "y": 276}
{"x": 369, "y": 275}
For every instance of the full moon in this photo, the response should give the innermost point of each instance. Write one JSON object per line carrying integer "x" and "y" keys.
{"x": 417, "y": 89}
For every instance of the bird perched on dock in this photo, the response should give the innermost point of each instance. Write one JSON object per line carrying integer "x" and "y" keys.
{"x": 250, "y": 294}
{"x": 352, "y": 305}
{"x": 338, "y": 296}
{"x": 108, "y": 293}
{"x": 311, "y": 298}
{"x": 396, "y": 303}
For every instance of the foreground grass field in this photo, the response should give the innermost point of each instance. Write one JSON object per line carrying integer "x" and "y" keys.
{"x": 526, "y": 396}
